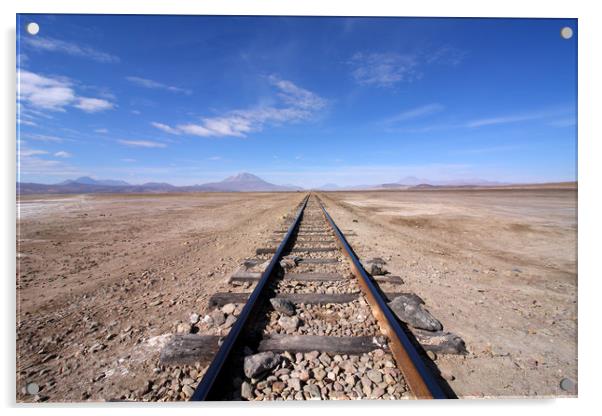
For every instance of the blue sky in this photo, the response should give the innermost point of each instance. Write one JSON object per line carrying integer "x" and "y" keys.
{"x": 305, "y": 101}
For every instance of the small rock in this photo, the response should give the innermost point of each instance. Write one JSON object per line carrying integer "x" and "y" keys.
{"x": 257, "y": 364}
{"x": 313, "y": 392}
{"x": 218, "y": 317}
{"x": 246, "y": 391}
{"x": 408, "y": 308}
{"x": 194, "y": 318}
{"x": 230, "y": 320}
{"x": 156, "y": 303}
{"x": 183, "y": 328}
{"x": 377, "y": 393}
{"x": 319, "y": 374}
{"x": 278, "y": 387}
{"x": 229, "y": 308}
{"x": 283, "y": 306}
{"x": 294, "y": 383}
{"x": 288, "y": 323}
{"x": 289, "y": 262}
{"x": 377, "y": 269}
{"x": 374, "y": 376}
{"x": 188, "y": 390}
{"x": 431, "y": 355}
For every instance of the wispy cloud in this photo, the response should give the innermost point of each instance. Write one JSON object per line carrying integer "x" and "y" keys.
{"x": 149, "y": 83}
{"x": 516, "y": 118}
{"x": 128, "y": 160}
{"x": 445, "y": 55}
{"x": 69, "y": 48}
{"x": 386, "y": 69}
{"x": 93, "y": 105}
{"x": 36, "y": 162}
{"x": 63, "y": 154}
{"x": 101, "y": 131}
{"x": 416, "y": 112}
{"x": 142, "y": 143}
{"x": 54, "y": 94}
{"x": 296, "y": 104}
{"x": 165, "y": 128}
{"x": 32, "y": 152}
{"x": 215, "y": 158}
{"x": 383, "y": 69}
{"x": 502, "y": 120}
{"x": 42, "y": 137}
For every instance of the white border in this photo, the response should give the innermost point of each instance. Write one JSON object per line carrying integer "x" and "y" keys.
{"x": 590, "y": 179}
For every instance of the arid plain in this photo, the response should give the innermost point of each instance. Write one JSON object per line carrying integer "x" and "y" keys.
{"x": 103, "y": 280}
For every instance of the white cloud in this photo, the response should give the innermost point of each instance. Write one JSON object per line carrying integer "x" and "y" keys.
{"x": 43, "y": 92}
{"x": 93, "y": 105}
{"x": 383, "y": 69}
{"x": 29, "y": 163}
{"x": 101, "y": 131}
{"x": 40, "y": 92}
{"x": 149, "y": 83}
{"x": 43, "y": 138}
{"x": 62, "y": 154}
{"x": 215, "y": 158}
{"x": 56, "y": 45}
{"x": 32, "y": 152}
{"x": 295, "y": 104}
{"x": 165, "y": 128}
{"x": 142, "y": 143}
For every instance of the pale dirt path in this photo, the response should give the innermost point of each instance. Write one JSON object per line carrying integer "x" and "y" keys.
{"x": 101, "y": 278}
{"x": 498, "y": 268}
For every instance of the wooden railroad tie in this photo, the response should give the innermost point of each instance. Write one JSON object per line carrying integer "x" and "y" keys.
{"x": 192, "y": 348}
{"x": 271, "y": 250}
{"x": 242, "y": 276}
{"x": 223, "y": 298}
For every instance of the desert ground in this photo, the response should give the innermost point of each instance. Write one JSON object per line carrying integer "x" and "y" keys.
{"x": 103, "y": 280}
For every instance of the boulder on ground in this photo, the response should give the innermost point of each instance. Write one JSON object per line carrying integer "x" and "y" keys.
{"x": 409, "y": 309}
{"x": 284, "y": 306}
{"x": 257, "y": 364}
{"x": 289, "y": 262}
{"x": 440, "y": 342}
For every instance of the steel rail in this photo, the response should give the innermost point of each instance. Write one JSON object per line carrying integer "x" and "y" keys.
{"x": 420, "y": 380}
{"x": 204, "y": 390}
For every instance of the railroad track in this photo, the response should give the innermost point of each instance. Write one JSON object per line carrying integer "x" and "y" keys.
{"x": 316, "y": 326}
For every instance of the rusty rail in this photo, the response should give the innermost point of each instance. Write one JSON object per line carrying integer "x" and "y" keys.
{"x": 204, "y": 390}
{"x": 419, "y": 379}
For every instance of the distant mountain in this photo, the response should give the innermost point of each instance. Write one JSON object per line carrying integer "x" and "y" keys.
{"x": 329, "y": 187}
{"x": 412, "y": 181}
{"x": 247, "y": 182}
{"x": 86, "y": 180}
{"x": 243, "y": 182}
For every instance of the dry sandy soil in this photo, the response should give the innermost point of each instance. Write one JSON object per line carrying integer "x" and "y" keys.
{"x": 102, "y": 279}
